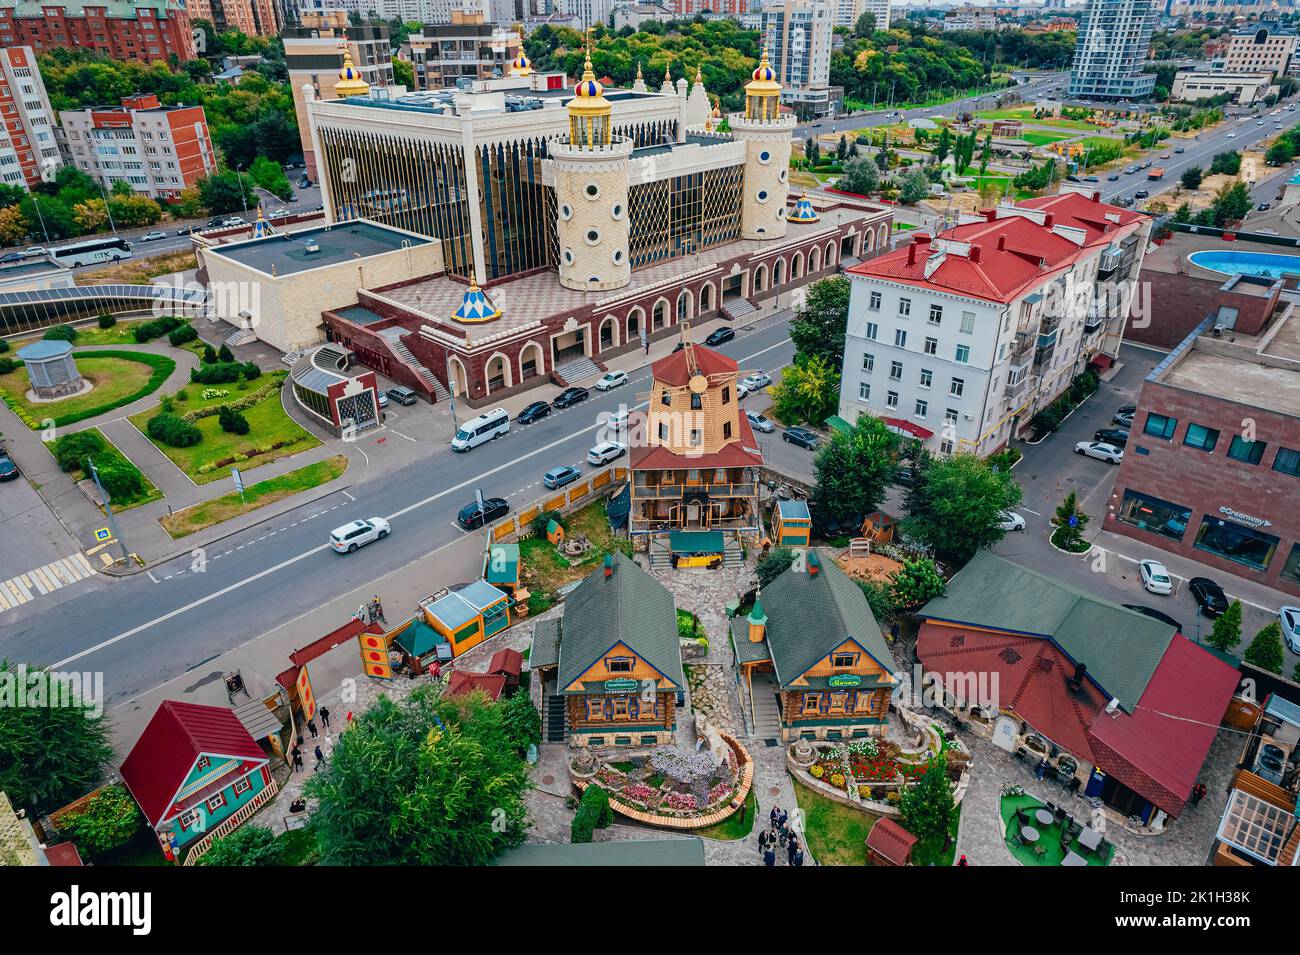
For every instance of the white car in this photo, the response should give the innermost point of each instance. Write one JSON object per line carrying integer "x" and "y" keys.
{"x": 1155, "y": 577}
{"x": 1011, "y": 521}
{"x": 349, "y": 537}
{"x": 233, "y": 221}
{"x": 153, "y": 236}
{"x": 760, "y": 422}
{"x": 755, "y": 381}
{"x": 1099, "y": 450}
{"x": 612, "y": 379}
{"x": 605, "y": 452}
{"x": 1289, "y": 618}
{"x": 1232, "y": 135}
{"x": 34, "y": 250}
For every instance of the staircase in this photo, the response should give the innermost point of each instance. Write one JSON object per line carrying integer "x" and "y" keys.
{"x": 739, "y": 309}
{"x": 579, "y": 369}
{"x": 661, "y": 554}
{"x": 237, "y": 336}
{"x": 732, "y": 551}
{"x": 553, "y": 728}
{"x": 406, "y": 356}
{"x": 765, "y": 709}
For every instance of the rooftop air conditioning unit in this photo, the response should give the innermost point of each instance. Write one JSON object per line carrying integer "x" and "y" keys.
{"x": 312, "y": 247}
{"x": 1112, "y": 707}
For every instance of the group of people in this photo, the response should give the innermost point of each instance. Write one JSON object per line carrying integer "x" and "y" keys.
{"x": 779, "y": 837}
{"x": 296, "y": 753}
{"x": 372, "y": 612}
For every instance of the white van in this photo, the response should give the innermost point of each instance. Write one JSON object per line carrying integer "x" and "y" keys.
{"x": 488, "y": 425}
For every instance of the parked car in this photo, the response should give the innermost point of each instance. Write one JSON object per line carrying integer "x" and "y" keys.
{"x": 11, "y": 257}
{"x": 760, "y": 422}
{"x": 1124, "y": 419}
{"x": 611, "y": 379}
{"x": 755, "y": 380}
{"x": 349, "y": 537}
{"x": 802, "y": 437}
{"x": 534, "y": 412}
{"x": 1262, "y": 207}
{"x": 383, "y": 401}
{"x": 605, "y": 452}
{"x": 1180, "y": 149}
{"x": 1129, "y": 170}
{"x": 1115, "y": 437}
{"x": 403, "y": 396}
{"x": 153, "y": 236}
{"x": 8, "y": 470}
{"x": 720, "y": 336}
{"x": 618, "y": 419}
{"x": 558, "y": 477}
{"x": 1289, "y": 618}
{"x": 1011, "y": 521}
{"x": 233, "y": 221}
{"x": 1155, "y": 577}
{"x": 1099, "y": 450}
{"x": 32, "y": 251}
{"x": 472, "y": 516}
{"x": 1126, "y": 409}
{"x": 1208, "y": 595}
{"x": 570, "y": 396}
{"x": 1113, "y": 177}
{"x": 1154, "y": 615}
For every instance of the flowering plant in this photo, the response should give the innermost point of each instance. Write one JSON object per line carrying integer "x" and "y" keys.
{"x": 680, "y": 801}
{"x": 718, "y": 792}
{"x": 638, "y": 791}
{"x": 837, "y": 780}
{"x": 210, "y": 393}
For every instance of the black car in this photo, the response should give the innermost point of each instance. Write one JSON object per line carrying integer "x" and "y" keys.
{"x": 802, "y": 437}
{"x": 472, "y": 516}
{"x": 571, "y": 396}
{"x": 1141, "y": 194}
{"x": 1208, "y": 595}
{"x": 1126, "y": 409}
{"x": 12, "y": 257}
{"x": 1116, "y": 437}
{"x": 720, "y": 336}
{"x": 1154, "y": 615}
{"x": 8, "y": 470}
{"x": 534, "y": 412}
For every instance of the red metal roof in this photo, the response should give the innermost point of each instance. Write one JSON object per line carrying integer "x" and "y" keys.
{"x": 739, "y": 453}
{"x": 891, "y": 841}
{"x": 902, "y": 424}
{"x": 175, "y": 738}
{"x": 490, "y": 683}
{"x": 65, "y": 854}
{"x": 674, "y": 369}
{"x": 318, "y": 648}
{"x": 507, "y": 661}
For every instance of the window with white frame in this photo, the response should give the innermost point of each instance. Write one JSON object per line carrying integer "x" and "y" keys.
{"x": 967, "y": 322}
{"x": 900, "y": 338}
{"x": 957, "y": 387}
{"x": 950, "y": 417}
{"x": 868, "y": 361}
{"x": 963, "y": 354}
{"x": 936, "y": 314}
{"x": 895, "y": 371}
{"x": 927, "y": 377}
{"x": 873, "y": 303}
{"x": 904, "y": 307}
{"x": 891, "y": 399}
{"x": 864, "y": 391}
{"x": 931, "y": 346}
{"x": 872, "y": 331}
{"x": 945, "y": 446}
{"x": 922, "y": 407}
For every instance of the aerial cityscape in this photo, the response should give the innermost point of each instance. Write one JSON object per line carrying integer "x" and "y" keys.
{"x": 748, "y": 433}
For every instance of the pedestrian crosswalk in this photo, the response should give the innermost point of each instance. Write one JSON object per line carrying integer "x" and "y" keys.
{"x": 22, "y": 588}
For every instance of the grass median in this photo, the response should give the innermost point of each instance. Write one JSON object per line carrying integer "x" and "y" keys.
{"x": 200, "y": 516}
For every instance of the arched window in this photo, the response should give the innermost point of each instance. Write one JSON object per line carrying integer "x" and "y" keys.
{"x": 530, "y": 361}
{"x": 814, "y": 260}
{"x": 760, "y": 278}
{"x": 796, "y": 266}
{"x": 634, "y": 320}
{"x": 660, "y": 315}
{"x": 706, "y": 298}
{"x": 608, "y": 333}
{"x": 498, "y": 374}
{"x": 778, "y": 273}
{"x": 683, "y": 306}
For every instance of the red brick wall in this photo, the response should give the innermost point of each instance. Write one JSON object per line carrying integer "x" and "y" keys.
{"x": 1180, "y": 302}
{"x": 142, "y": 39}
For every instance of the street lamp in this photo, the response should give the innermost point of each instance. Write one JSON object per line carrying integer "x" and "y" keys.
{"x": 108, "y": 509}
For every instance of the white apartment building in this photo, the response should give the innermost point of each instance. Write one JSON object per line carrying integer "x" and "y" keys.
{"x": 847, "y": 12}
{"x": 28, "y": 143}
{"x": 1113, "y": 44}
{"x": 1264, "y": 48}
{"x": 970, "y": 18}
{"x": 960, "y": 338}
{"x": 799, "y": 35}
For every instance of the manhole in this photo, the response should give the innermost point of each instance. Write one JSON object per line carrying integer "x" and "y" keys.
{"x": 548, "y": 780}
{"x": 771, "y": 742}
{"x": 774, "y": 791}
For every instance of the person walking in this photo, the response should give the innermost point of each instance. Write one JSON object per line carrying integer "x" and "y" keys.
{"x": 361, "y": 614}
{"x": 311, "y": 728}
{"x": 297, "y": 759}
{"x": 762, "y": 842}
{"x": 791, "y": 848}
{"x": 320, "y": 759}
{"x": 377, "y": 609}
{"x": 797, "y": 861}
{"x": 769, "y": 858}
{"x": 1198, "y": 793}
{"x": 776, "y": 815}
{"x": 324, "y": 715}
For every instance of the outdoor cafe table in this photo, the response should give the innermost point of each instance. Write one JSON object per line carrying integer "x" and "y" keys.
{"x": 1073, "y": 858}
{"x": 1044, "y": 817}
{"x": 1090, "y": 838}
{"x": 1029, "y": 834}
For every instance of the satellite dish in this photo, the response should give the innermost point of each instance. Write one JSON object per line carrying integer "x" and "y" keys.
{"x": 698, "y": 384}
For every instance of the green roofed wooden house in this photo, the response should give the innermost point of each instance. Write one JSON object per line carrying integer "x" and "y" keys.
{"x": 611, "y": 666}
{"x": 812, "y": 639}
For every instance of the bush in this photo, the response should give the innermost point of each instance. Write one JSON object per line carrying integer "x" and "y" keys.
{"x": 7, "y": 365}
{"x": 122, "y": 481}
{"x": 173, "y": 431}
{"x": 232, "y": 422}
{"x": 543, "y": 519}
{"x": 182, "y": 395}
{"x": 180, "y": 336}
{"x": 246, "y": 846}
{"x": 225, "y": 354}
{"x": 107, "y": 321}
{"x": 60, "y": 333}
{"x": 209, "y": 355}
{"x": 224, "y": 373}
{"x": 251, "y": 371}
{"x": 593, "y": 813}
{"x": 4, "y": 346}
{"x": 71, "y": 450}
{"x": 110, "y": 818}
{"x": 148, "y": 331}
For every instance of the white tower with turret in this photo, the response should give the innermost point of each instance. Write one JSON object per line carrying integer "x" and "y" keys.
{"x": 766, "y": 135}
{"x": 591, "y": 190}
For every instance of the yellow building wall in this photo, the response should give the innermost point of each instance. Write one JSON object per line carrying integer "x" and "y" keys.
{"x": 641, "y": 670}
{"x": 866, "y": 665}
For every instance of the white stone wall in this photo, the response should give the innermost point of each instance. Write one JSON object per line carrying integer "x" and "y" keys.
{"x": 767, "y": 175}
{"x": 591, "y": 193}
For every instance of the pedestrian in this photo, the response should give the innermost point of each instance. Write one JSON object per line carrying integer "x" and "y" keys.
{"x": 776, "y": 814}
{"x": 377, "y": 609}
{"x": 797, "y": 861}
{"x": 302, "y": 740}
{"x": 785, "y": 817}
{"x": 769, "y": 858}
{"x": 297, "y": 759}
{"x": 962, "y": 860}
{"x": 784, "y": 834}
{"x": 320, "y": 759}
{"x": 349, "y": 716}
{"x": 762, "y": 841}
{"x": 791, "y": 848}
{"x": 361, "y": 614}
{"x": 311, "y": 728}
{"x": 324, "y": 715}
{"x": 1198, "y": 793}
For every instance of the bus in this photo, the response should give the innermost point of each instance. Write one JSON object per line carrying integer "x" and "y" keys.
{"x": 488, "y": 425}
{"x": 91, "y": 251}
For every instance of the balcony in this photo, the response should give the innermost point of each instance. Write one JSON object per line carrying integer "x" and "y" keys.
{"x": 673, "y": 492}
{"x": 1110, "y": 261}
{"x": 1046, "y": 340}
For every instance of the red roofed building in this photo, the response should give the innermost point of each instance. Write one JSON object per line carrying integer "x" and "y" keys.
{"x": 695, "y": 471}
{"x": 888, "y": 843}
{"x": 509, "y": 664}
{"x": 962, "y": 337}
{"x": 196, "y": 774}
{"x": 463, "y": 683}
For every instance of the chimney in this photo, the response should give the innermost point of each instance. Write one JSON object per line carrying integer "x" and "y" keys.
{"x": 609, "y": 565}
{"x": 911, "y": 253}
{"x": 975, "y": 254}
{"x": 1049, "y": 220}
{"x": 1096, "y": 197}
{"x": 990, "y": 215}
{"x": 923, "y": 238}
{"x": 757, "y": 620}
{"x": 1080, "y": 671}
{"x": 814, "y": 565}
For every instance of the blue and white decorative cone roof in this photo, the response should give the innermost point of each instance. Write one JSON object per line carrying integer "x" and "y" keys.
{"x": 803, "y": 211}
{"x": 262, "y": 228}
{"x": 475, "y": 306}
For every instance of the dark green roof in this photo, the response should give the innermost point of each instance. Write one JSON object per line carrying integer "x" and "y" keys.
{"x": 546, "y": 644}
{"x": 659, "y": 852}
{"x": 747, "y": 651}
{"x": 501, "y": 564}
{"x": 809, "y": 615}
{"x": 419, "y": 638}
{"x": 1120, "y": 648}
{"x": 628, "y": 606}
{"x": 695, "y": 542}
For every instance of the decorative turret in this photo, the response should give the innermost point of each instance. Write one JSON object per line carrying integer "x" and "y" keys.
{"x": 766, "y": 133}
{"x": 350, "y": 82}
{"x": 667, "y": 87}
{"x": 697, "y": 103}
{"x": 475, "y": 307}
{"x": 639, "y": 85}
{"x": 589, "y": 111}
{"x": 804, "y": 211}
{"x": 262, "y": 228}
{"x": 757, "y": 620}
{"x": 521, "y": 65}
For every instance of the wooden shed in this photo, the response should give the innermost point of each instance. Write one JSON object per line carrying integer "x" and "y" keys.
{"x": 889, "y": 844}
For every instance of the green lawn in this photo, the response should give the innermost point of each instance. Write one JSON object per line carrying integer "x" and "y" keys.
{"x": 300, "y": 846}
{"x": 120, "y": 334}
{"x": 545, "y": 570}
{"x": 268, "y": 425}
{"x": 836, "y": 833}
{"x": 193, "y": 391}
{"x": 736, "y": 826}
{"x": 111, "y": 453}
{"x": 119, "y": 378}
{"x": 1039, "y": 138}
{"x": 223, "y": 508}
{"x": 1049, "y": 839}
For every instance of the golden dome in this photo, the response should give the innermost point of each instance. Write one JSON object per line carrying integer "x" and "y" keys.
{"x": 589, "y": 111}
{"x": 350, "y": 82}
{"x": 764, "y": 82}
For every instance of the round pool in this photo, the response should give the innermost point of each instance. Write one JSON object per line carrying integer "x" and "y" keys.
{"x": 1231, "y": 262}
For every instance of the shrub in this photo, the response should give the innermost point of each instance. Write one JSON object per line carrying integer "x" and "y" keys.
{"x": 543, "y": 519}
{"x": 71, "y": 450}
{"x": 110, "y": 818}
{"x": 180, "y": 336}
{"x": 122, "y": 481}
{"x": 220, "y": 373}
{"x": 225, "y": 354}
{"x": 147, "y": 331}
{"x": 173, "y": 431}
{"x": 593, "y": 813}
{"x": 251, "y": 371}
{"x": 232, "y": 422}
{"x": 60, "y": 333}
{"x": 107, "y": 321}
{"x": 209, "y": 355}
{"x": 247, "y": 846}
{"x": 182, "y": 395}
{"x": 7, "y": 365}
{"x": 4, "y": 346}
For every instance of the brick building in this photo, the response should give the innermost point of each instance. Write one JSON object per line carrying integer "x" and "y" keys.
{"x": 27, "y": 137}
{"x": 147, "y": 31}
{"x": 1213, "y": 465}
{"x": 249, "y": 17}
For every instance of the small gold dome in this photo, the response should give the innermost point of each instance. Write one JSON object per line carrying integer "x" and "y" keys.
{"x": 350, "y": 82}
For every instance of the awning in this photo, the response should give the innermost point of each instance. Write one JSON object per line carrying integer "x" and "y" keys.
{"x": 838, "y": 424}
{"x": 904, "y": 427}
{"x": 1102, "y": 360}
{"x": 695, "y": 542}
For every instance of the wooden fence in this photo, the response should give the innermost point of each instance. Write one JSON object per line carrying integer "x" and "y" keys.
{"x": 564, "y": 501}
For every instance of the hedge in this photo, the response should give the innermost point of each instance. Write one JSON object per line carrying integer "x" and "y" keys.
{"x": 173, "y": 431}
{"x": 240, "y": 404}
{"x": 60, "y": 333}
{"x": 146, "y": 331}
{"x": 186, "y": 333}
{"x": 71, "y": 450}
{"x": 225, "y": 372}
{"x": 593, "y": 813}
{"x": 162, "y": 369}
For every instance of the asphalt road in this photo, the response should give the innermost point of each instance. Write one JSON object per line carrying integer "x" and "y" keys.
{"x": 143, "y": 630}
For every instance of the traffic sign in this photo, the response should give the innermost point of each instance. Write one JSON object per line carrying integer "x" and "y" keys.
{"x": 103, "y": 534}
{"x": 239, "y": 480}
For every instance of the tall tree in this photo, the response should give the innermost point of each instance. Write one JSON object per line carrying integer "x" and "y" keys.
{"x": 854, "y": 469}
{"x": 1227, "y": 628}
{"x": 927, "y": 807}
{"x": 809, "y": 390}
{"x": 1265, "y": 651}
{"x": 818, "y": 326}
{"x": 956, "y": 505}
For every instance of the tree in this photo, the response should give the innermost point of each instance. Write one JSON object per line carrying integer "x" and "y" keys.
{"x": 109, "y": 819}
{"x": 860, "y": 175}
{"x": 225, "y": 354}
{"x": 91, "y": 215}
{"x": 819, "y": 324}
{"x": 957, "y": 503}
{"x": 917, "y": 582}
{"x": 1191, "y": 178}
{"x": 248, "y": 845}
{"x": 854, "y": 469}
{"x": 54, "y": 747}
{"x": 593, "y": 813}
{"x": 269, "y": 175}
{"x": 1265, "y": 651}
{"x": 1232, "y": 204}
{"x": 520, "y": 722}
{"x": 915, "y": 186}
{"x": 944, "y": 144}
{"x": 809, "y": 391}
{"x": 133, "y": 211}
{"x": 14, "y": 226}
{"x": 1227, "y": 628}
{"x": 1070, "y": 523}
{"x": 402, "y": 765}
{"x": 986, "y": 153}
{"x": 404, "y": 73}
{"x": 865, "y": 25}
{"x": 842, "y": 148}
{"x": 222, "y": 192}
{"x": 927, "y": 807}
{"x": 1228, "y": 164}
{"x": 776, "y": 563}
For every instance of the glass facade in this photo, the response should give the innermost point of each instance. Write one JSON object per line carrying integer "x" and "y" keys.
{"x": 513, "y": 208}
{"x": 1291, "y": 569}
{"x": 1236, "y": 542}
{"x": 1252, "y": 452}
{"x": 686, "y": 214}
{"x": 1152, "y": 514}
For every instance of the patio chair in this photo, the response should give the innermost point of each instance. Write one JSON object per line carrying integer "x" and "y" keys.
{"x": 1040, "y": 850}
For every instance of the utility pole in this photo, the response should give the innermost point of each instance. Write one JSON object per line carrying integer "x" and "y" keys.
{"x": 108, "y": 509}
